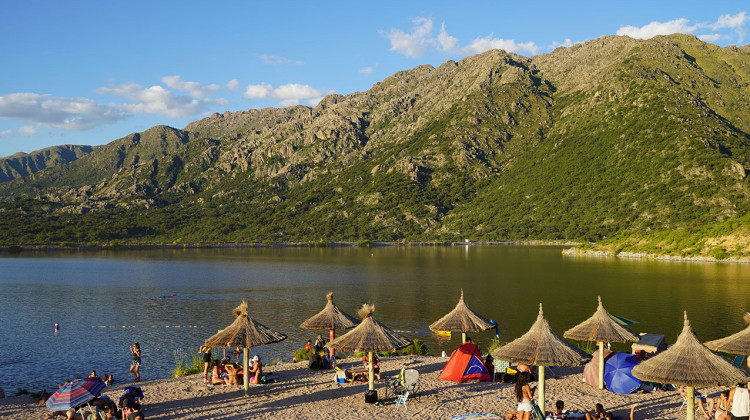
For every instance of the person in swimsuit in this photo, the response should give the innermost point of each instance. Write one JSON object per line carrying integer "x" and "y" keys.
{"x": 700, "y": 401}
{"x": 135, "y": 367}
{"x": 206, "y": 361}
{"x": 524, "y": 395}
{"x": 256, "y": 370}
{"x": 722, "y": 406}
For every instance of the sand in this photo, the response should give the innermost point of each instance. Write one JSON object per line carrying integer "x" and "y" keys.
{"x": 300, "y": 393}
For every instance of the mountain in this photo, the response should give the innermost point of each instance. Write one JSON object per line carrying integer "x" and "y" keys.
{"x": 615, "y": 136}
{"x": 22, "y": 164}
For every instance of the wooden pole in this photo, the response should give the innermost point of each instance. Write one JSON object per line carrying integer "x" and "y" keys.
{"x": 691, "y": 403}
{"x": 601, "y": 364}
{"x": 541, "y": 388}
{"x": 245, "y": 373}
{"x": 463, "y": 337}
{"x": 372, "y": 374}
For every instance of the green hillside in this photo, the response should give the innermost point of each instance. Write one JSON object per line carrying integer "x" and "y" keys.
{"x": 613, "y": 137}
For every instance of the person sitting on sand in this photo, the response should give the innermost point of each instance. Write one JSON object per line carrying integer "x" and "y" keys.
{"x": 722, "y": 406}
{"x": 560, "y": 412}
{"x": 235, "y": 372}
{"x": 308, "y": 346}
{"x": 524, "y": 395}
{"x": 599, "y": 413}
{"x": 256, "y": 371}
{"x": 220, "y": 374}
{"x": 375, "y": 364}
{"x": 135, "y": 412}
{"x": 700, "y": 401}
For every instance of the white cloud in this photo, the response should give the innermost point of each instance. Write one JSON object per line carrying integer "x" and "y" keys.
{"x": 285, "y": 92}
{"x": 480, "y": 45}
{"x": 421, "y": 40}
{"x": 275, "y": 60}
{"x": 567, "y": 43}
{"x": 27, "y": 131}
{"x": 653, "y": 29}
{"x": 415, "y": 43}
{"x": 6, "y": 133}
{"x": 289, "y": 102}
{"x": 709, "y": 37}
{"x": 733, "y": 22}
{"x": 232, "y": 85}
{"x": 728, "y": 21}
{"x": 366, "y": 70}
{"x": 314, "y": 101}
{"x": 156, "y": 100}
{"x": 195, "y": 89}
{"x": 445, "y": 41}
{"x": 56, "y": 112}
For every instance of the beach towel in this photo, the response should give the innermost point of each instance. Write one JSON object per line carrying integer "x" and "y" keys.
{"x": 476, "y": 416}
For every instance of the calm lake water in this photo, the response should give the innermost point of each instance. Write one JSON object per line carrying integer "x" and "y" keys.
{"x": 105, "y": 301}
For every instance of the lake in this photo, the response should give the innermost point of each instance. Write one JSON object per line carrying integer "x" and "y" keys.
{"x": 106, "y": 300}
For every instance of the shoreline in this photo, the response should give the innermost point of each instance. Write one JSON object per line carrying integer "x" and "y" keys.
{"x": 302, "y": 393}
{"x": 249, "y": 245}
{"x": 585, "y": 253}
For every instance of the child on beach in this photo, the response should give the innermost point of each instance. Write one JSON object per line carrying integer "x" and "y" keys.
{"x": 206, "y": 361}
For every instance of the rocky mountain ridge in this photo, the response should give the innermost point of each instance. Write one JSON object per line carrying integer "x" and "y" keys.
{"x": 609, "y": 136}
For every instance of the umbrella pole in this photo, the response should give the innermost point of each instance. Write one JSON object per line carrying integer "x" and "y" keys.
{"x": 601, "y": 364}
{"x": 372, "y": 374}
{"x": 463, "y": 337}
{"x": 691, "y": 403}
{"x": 245, "y": 373}
{"x": 541, "y": 388}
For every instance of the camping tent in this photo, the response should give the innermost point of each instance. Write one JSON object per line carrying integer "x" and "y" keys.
{"x": 466, "y": 364}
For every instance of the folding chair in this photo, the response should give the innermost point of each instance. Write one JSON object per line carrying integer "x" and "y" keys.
{"x": 537, "y": 413}
{"x": 401, "y": 399}
{"x": 501, "y": 367}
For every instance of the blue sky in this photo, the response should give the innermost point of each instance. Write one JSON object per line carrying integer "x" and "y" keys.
{"x": 89, "y": 72}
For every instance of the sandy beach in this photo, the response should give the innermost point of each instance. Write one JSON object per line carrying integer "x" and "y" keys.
{"x": 301, "y": 393}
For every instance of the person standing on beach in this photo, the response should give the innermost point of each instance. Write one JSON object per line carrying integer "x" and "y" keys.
{"x": 524, "y": 395}
{"x": 206, "y": 350}
{"x": 135, "y": 367}
{"x": 739, "y": 402}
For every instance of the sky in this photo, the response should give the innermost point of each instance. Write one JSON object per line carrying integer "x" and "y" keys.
{"x": 90, "y": 72}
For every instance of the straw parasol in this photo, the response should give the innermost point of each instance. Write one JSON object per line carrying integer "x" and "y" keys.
{"x": 244, "y": 332}
{"x": 330, "y": 318}
{"x": 600, "y": 327}
{"x": 541, "y": 347}
{"x": 691, "y": 364}
{"x": 370, "y": 335}
{"x": 462, "y": 319}
{"x": 738, "y": 343}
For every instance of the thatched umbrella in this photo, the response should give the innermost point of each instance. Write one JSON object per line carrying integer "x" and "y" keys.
{"x": 541, "y": 347}
{"x": 462, "y": 319}
{"x": 691, "y": 364}
{"x": 330, "y": 318}
{"x": 370, "y": 335}
{"x": 737, "y": 343}
{"x": 244, "y": 332}
{"x": 600, "y": 327}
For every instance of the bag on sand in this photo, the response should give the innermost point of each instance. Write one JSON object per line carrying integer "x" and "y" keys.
{"x": 371, "y": 397}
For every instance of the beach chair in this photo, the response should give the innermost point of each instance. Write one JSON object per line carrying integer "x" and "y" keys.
{"x": 401, "y": 399}
{"x": 537, "y": 411}
{"x": 501, "y": 368}
{"x": 738, "y": 360}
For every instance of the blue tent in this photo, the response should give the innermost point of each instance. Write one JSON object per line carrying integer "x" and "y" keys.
{"x": 618, "y": 373}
